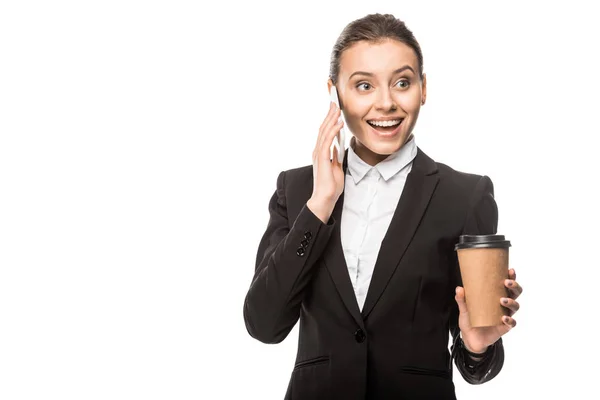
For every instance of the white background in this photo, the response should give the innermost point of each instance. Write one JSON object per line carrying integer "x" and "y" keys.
{"x": 141, "y": 141}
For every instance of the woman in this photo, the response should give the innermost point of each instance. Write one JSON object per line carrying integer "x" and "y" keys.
{"x": 361, "y": 251}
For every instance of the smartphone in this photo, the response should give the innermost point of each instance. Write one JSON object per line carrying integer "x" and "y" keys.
{"x": 339, "y": 141}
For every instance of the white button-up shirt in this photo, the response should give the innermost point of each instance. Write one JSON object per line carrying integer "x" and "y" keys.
{"x": 371, "y": 194}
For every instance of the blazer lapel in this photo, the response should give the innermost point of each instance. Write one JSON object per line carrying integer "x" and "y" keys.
{"x": 420, "y": 185}
{"x": 335, "y": 260}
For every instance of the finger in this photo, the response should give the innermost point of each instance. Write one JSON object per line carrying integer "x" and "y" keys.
{"x": 511, "y": 304}
{"x": 322, "y": 127}
{"x": 326, "y": 122}
{"x": 331, "y": 111}
{"x": 509, "y": 321}
{"x": 514, "y": 288}
{"x": 331, "y": 121}
{"x": 512, "y": 274}
{"x": 328, "y": 147}
{"x": 328, "y": 140}
{"x": 334, "y": 157}
{"x": 460, "y": 299}
{"x": 323, "y": 124}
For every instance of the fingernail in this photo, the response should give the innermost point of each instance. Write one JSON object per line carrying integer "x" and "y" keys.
{"x": 507, "y": 319}
{"x": 509, "y": 283}
{"x": 505, "y": 301}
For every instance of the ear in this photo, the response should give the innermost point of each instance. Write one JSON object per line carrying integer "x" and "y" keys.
{"x": 329, "y": 85}
{"x": 424, "y": 89}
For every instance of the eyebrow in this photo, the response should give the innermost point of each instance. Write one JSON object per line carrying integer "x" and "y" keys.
{"x": 370, "y": 74}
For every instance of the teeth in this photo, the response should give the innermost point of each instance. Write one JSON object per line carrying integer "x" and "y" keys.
{"x": 385, "y": 123}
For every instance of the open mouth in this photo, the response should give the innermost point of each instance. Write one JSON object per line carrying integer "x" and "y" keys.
{"x": 387, "y": 128}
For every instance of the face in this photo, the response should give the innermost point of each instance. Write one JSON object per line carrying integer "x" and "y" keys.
{"x": 379, "y": 84}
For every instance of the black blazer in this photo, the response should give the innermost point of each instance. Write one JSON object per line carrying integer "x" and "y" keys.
{"x": 397, "y": 347}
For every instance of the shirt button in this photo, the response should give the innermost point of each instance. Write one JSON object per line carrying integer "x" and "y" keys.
{"x": 359, "y": 336}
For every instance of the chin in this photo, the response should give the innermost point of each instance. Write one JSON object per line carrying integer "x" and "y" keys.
{"x": 385, "y": 147}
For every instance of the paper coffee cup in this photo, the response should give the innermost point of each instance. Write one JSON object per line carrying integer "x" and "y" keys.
{"x": 483, "y": 262}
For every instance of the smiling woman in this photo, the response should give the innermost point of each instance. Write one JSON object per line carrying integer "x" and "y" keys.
{"x": 382, "y": 102}
{"x": 361, "y": 250}
{"x": 377, "y": 67}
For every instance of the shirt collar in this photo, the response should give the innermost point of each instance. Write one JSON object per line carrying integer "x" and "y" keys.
{"x": 389, "y": 167}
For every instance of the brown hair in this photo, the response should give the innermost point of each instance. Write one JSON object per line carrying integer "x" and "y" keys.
{"x": 373, "y": 28}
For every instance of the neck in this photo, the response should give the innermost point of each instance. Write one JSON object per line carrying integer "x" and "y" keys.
{"x": 367, "y": 155}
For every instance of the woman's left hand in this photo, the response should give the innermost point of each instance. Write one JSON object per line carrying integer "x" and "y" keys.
{"x": 478, "y": 339}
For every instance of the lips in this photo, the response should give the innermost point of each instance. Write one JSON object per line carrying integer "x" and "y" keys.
{"x": 386, "y": 132}
{"x": 387, "y": 122}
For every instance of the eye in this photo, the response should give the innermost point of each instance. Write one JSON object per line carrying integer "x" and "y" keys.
{"x": 362, "y": 84}
{"x": 405, "y": 83}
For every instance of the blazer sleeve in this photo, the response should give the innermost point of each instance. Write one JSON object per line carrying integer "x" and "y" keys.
{"x": 481, "y": 219}
{"x": 285, "y": 262}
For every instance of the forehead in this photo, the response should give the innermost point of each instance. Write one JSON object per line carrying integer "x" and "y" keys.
{"x": 379, "y": 58}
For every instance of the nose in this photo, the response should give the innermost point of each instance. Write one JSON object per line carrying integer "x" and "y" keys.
{"x": 385, "y": 100}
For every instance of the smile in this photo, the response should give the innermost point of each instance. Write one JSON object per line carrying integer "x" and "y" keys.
{"x": 392, "y": 122}
{"x": 386, "y": 129}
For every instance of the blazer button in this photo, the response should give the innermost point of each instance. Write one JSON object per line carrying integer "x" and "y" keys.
{"x": 300, "y": 251}
{"x": 360, "y": 336}
{"x": 307, "y": 235}
{"x": 304, "y": 243}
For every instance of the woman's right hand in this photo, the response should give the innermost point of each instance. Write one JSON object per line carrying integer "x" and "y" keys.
{"x": 328, "y": 175}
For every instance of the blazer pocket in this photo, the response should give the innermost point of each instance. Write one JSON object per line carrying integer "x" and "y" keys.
{"x": 311, "y": 362}
{"x": 426, "y": 371}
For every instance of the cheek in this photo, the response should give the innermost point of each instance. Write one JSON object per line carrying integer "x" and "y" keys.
{"x": 356, "y": 113}
{"x": 360, "y": 107}
{"x": 410, "y": 104}
{"x": 353, "y": 123}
